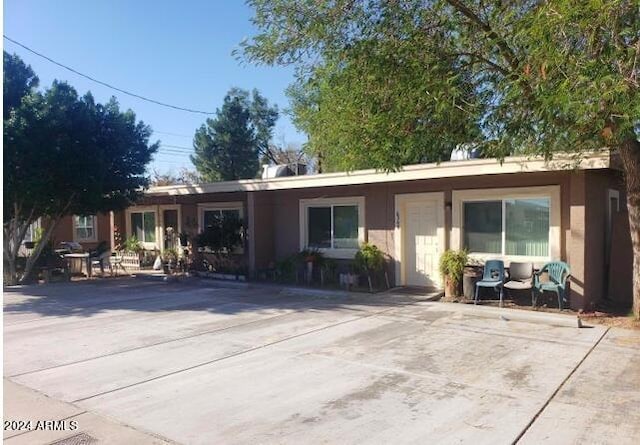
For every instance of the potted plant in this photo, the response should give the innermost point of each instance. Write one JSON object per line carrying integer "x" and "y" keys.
{"x": 311, "y": 257}
{"x": 169, "y": 260}
{"x": 369, "y": 260}
{"x": 452, "y": 264}
{"x": 132, "y": 245}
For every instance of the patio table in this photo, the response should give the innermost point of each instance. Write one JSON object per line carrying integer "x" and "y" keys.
{"x": 81, "y": 256}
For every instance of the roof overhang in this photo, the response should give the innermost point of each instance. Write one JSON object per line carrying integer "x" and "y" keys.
{"x": 450, "y": 169}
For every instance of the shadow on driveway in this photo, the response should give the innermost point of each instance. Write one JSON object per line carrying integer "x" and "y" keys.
{"x": 86, "y": 299}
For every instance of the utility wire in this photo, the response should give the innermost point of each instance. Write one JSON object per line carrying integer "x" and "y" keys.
{"x": 173, "y": 134}
{"x": 170, "y": 153}
{"x": 189, "y": 110}
{"x": 171, "y": 150}
{"x": 181, "y": 147}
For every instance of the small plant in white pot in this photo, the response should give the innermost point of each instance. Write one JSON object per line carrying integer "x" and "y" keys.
{"x": 452, "y": 264}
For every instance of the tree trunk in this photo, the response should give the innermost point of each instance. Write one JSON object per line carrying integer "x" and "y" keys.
{"x": 630, "y": 155}
{"x": 14, "y": 233}
{"x": 31, "y": 261}
{"x": 11, "y": 275}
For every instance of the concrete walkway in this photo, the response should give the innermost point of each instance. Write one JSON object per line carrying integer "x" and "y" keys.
{"x": 73, "y": 425}
{"x": 189, "y": 363}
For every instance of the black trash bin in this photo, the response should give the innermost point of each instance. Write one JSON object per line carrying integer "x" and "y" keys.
{"x": 471, "y": 275}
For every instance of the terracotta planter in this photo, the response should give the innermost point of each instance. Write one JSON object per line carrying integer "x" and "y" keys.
{"x": 450, "y": 288}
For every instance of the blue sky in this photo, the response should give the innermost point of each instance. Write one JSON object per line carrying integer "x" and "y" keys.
{"x": 173, "y": 52}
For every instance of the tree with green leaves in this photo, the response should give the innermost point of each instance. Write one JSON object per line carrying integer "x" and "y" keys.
{"x": 229, "y": 146}
{"x": 17, "y": 83}
{"x": 529, "y": 77}
{"x": 64, "y": 155}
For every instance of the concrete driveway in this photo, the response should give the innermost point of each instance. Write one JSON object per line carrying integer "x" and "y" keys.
{"x": 148, "y": 362}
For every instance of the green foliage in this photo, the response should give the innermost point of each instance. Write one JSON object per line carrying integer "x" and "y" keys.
{"x": 132, "y": 244}
{"x": 38, "y": 233}
{"x": 170, "y": 256}
{"x": 228, "y": 146}
{"x": 330, "y": 270}
{"x": 223, "y": 235}
{"x": 314, "y": 256}
{"x": 65, "y": 154}
{"x": 452, "y": 263}
{"x": 286, "y": 269}
{"x": 373, "y": 111}
{"x": 369, "y": 258}
{"x": 381, "y": 83}
{"x": 19, "y": 81}
{"x": 385, "y": 83}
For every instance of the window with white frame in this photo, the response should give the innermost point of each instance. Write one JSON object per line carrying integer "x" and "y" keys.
{"x": 84, "y": 228}
{"x": 213, "y": 214}
{"x": 143, "y": 226}
{"x": 514, "y": 224}
{"x": 332, "y": 225}
{"x": 518, "y": 227}
{"x": 32, "y": 231}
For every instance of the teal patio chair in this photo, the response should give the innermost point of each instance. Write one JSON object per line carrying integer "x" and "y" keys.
{"x": 492, "y": 277}
{"x": 559, "y": 274}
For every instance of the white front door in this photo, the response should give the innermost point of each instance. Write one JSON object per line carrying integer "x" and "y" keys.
{"x": 421, "y": 237}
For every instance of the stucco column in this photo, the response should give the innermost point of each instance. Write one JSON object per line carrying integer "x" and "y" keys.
{"x": 576, "y": 252}
{"x": 112, "y": 224}
{"x": 251, "y": 232}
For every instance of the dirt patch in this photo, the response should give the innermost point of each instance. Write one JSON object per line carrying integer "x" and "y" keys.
{"x": 607, "y": 316}
{"x": 611, "y": 320}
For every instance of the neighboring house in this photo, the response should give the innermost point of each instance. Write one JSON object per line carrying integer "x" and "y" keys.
{"x": 88, "y": 230}
{"x": 522, "y": 209}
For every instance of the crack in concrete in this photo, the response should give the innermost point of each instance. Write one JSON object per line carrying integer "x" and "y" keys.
{"x": 548, "y": 401}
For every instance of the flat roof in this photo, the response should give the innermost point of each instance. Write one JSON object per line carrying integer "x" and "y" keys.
{"x": 449, "y": 169}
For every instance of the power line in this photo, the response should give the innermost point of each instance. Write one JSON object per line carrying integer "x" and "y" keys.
{"x": 172, "y": 134}
{"x": 179, "y": 155}
{"x": 189, "y": 110}
{"x": 178, "y": 152}
{"x": 181, "y": 147}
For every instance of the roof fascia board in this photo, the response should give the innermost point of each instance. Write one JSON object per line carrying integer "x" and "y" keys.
{"x": 450, "y": 169}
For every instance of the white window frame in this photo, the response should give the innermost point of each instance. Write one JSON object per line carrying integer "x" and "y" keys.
{"x": 79, "y": 239}
{"x": 154, "y": 245}
{"x": 219, "y": 206}
{"x": 459, "y": 197}
{"x": 330, "y": 202}
{"x": 35, "y": 225}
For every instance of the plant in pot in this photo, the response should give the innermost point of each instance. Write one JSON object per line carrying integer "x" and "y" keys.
{"x": 132, "y": 245}
{"x": 452, "y": 264}
{"x": 369, "y": 260}
{"x": 311, "y": 258}
{"x": 169, "y": 260}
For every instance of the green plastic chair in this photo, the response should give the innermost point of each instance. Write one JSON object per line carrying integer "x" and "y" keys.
{"x": 559, "y": 274}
